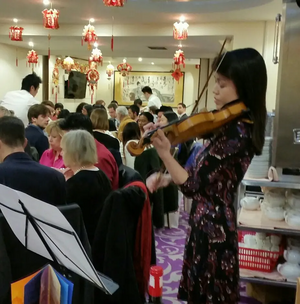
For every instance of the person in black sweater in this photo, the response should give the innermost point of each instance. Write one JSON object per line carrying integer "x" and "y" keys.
{"x": 89, "y": 186}
{"x": 100, "y": 123}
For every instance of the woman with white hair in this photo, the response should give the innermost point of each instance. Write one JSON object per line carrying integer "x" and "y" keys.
{"x": 89, "y": 186}
{"x": 124, "y": 119}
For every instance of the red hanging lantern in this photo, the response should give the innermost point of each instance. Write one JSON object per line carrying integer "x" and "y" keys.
{"x": 92, "y": 77}
{"x": 114, "y": 3}
{"x": 32, "y": 57}
{"x": 89, "y": 35}
{"x": 50, "y": 17}
{"x": 180, "y": 30}
{"x": 177, "y": 74}
{"x": 124, "y": 68}
{"x": 179, "y": 59}
{"x": 15, "y": 33}
{"x": 96, "y": 56}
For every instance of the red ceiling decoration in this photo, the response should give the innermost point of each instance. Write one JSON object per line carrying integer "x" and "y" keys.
{"x": 50, "y": 17}
{"x": 177, "y": 74}
{"x": 124, "y": 68}
{"x": 179, "y": 59}
{"x": 32, "y": 58}
{"x": 180, "y": 30}
{"x": 96, "y": 56}
{"x": 114, "y": 3}
{"x": 15, "y": 33}
{"x": 89, "y": 35}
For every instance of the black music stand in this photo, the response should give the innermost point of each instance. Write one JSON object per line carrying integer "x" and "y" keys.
{"x": 43, "y": 229}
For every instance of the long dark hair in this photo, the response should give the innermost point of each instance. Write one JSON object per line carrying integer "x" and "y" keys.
{"x": 247, "y": 69}
{"x": 130, "y": 132}
{"x": 171, "y": 116}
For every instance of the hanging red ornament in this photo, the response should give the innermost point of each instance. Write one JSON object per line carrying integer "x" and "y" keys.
{"x": 68, "y": 64}
{"x": 55, "y": 82}
{"x": 50, "y": 17}
{"x": 109, "y": 71}
{"x": 180, "y": 30}
{"x": 112, "y": 43}
{"x": 92, "y": 77}
{"x": 114, "y": 3}
{"x": 177, "y": 74}
{"x": 15, "y": 33}
{"x": 32, "y": 58}
{"x": 89, "y": 35}
{"x": 124, "y": 68}
{"x": 179, "y": 59}
{"x": 96, "y": 56}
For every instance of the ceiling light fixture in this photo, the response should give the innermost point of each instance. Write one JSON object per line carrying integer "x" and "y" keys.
{"x": 95, "y": 44}
{"x": 180, "y": 30}
{"x": 140, "y": 59}
{"x": 152, "y": 63}
{"x": 92, "y": 20}
{"x": 15, "y": 20}
{"x": 182, "y": 19}
{"x": 31, "y": 44}
{"x": 180, "y": 45}
{"x": 46, "y": 2}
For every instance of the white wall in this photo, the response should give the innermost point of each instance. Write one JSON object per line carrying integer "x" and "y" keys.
{"x": 260, "y": 36}
{"x": 11, "y": 75}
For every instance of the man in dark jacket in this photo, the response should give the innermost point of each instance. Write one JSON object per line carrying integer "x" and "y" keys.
{"x": 18, "y": 171}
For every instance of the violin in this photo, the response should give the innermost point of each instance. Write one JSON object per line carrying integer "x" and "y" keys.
{"x": 197, "y": 125}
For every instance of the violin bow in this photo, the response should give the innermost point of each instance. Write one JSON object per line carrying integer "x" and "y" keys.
{"x": 208, "y": 79}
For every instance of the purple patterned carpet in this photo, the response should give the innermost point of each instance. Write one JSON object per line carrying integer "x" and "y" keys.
{"x": 169, "y": 250}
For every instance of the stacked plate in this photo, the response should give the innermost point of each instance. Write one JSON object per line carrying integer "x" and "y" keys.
{"x": 259, "y": 166}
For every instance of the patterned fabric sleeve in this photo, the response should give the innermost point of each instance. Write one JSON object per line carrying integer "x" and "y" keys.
{"x": 223, "y": 165}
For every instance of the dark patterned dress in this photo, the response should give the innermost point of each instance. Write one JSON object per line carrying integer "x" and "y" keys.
{"x": 210, "y": 272}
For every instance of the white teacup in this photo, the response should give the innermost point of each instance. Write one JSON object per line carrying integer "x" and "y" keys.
{"x": 250, "y": 241}
{"x": 293, "y": 200}
{"x": 292, "y": 218}
{"x": 250, "y": 203}
{"x": 273, "y": 213}
{"x": 289, "y": 271}
{"x": 292, "y": 256}
{"x": 275, "y": 198}
{"x": 275, "y": 239}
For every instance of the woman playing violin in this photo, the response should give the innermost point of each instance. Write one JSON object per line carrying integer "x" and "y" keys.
{"x": 210, "y": 272}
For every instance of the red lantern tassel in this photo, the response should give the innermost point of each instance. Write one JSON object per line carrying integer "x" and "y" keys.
{"x": 49, "y": 54}
{"x": 112, "y": 43}
{"x": 17, "y": 61}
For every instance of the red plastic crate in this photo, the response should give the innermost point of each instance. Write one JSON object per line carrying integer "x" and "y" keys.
{"x": 256, "y": 259}
{"x": 260, "y": 260}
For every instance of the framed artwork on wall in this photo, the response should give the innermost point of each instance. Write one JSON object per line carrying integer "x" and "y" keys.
{"x": 163, "y": 85}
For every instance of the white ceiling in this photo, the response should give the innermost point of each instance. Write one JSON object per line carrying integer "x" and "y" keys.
{"x": 138, "y": 17}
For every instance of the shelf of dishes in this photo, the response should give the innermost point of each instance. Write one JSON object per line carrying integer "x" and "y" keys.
{"x": 263, "y": 182}
{"x": 275, "y": 209}
{"x": 254, "y": 277}
{"x": 269, "y": 257}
